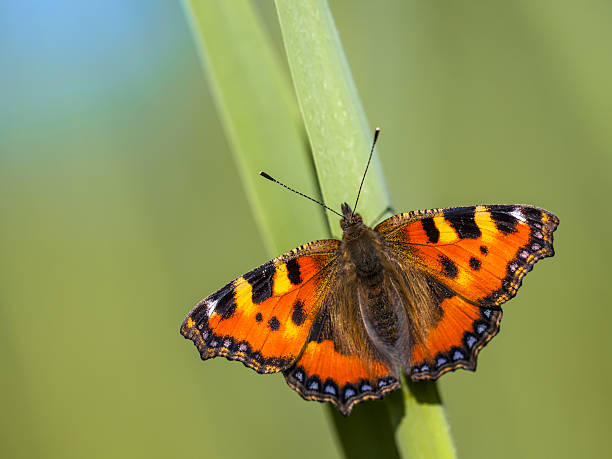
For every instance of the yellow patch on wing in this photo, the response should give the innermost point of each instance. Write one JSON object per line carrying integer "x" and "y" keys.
{"x": 447, "y": 232}
{"x": 243, "y": 295}
{"x": 485, "y": 223}
{"x": 281, "y": 283}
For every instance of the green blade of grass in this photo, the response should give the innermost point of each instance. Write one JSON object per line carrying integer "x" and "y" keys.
{"x": 261, "y": 120}
{"x": 340, "y": 138}
{"x": 423, "y": 431}
{"x": 339, "y": 133}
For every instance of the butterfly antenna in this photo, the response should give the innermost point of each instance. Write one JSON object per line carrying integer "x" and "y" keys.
{"x": 272, "y": 179}
{"x": 376, "y": 132}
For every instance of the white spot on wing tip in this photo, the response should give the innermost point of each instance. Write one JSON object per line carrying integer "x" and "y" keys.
{"x": 516, "y": 213}
{"x": 210, "y": 307}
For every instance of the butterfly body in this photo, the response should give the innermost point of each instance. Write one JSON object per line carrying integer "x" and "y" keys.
{"x": 368, "y": 300}
{"x": 420, "y": 293}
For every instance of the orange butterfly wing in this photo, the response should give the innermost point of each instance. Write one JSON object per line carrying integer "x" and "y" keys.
{"x": 480, "y": 254}
{"x": 263, "y": 318}
{"x": 327, "y": 372}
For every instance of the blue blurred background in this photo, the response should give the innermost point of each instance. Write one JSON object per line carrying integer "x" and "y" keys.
{"x": 121, "y": 206}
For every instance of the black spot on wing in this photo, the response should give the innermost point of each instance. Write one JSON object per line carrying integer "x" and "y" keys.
{"x": 299, "y": 315}
{"x": 433, "y": 234}
{"x": 449, "y": 268}
{"x": 273, "y": 323}
{"x": 261, "y": 280}
{"x": 475, "y": 263}
{"x": 462, "y": 221}
{"x": 503, "y": 219}
{"x": 484, "y": 250}
{"x": 293, "y": 271}
{"x": 259, "y": 317}
{"x": 228, "y": 308}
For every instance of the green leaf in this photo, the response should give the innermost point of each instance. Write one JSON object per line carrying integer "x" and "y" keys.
{"x": 340, "y": 137}
{"x": 423, "y": 430}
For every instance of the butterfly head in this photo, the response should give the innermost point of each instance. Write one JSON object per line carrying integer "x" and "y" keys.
{"x": 351, "y": 223}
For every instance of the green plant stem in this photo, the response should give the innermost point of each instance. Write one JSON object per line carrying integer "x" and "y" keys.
{"x": 340, "y": 138}
{"x": 423, "y": 431}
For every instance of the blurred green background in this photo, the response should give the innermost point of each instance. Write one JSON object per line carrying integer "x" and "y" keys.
{"x": 121, "y": 207}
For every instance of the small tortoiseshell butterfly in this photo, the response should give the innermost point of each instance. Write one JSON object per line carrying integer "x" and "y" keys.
{"x": 419, "y": 293}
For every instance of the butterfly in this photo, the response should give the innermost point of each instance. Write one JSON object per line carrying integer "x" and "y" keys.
{"x": 419, "y": 293}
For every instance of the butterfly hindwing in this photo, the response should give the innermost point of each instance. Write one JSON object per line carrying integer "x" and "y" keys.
{"x": 479, "y": 254}
{"x": 454, "y": 342}
{"x": 328, "y": 371}
{"x": 264, "y": 317}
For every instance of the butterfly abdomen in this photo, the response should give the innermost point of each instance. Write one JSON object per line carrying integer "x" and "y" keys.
{"x": 383, "y": 317}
